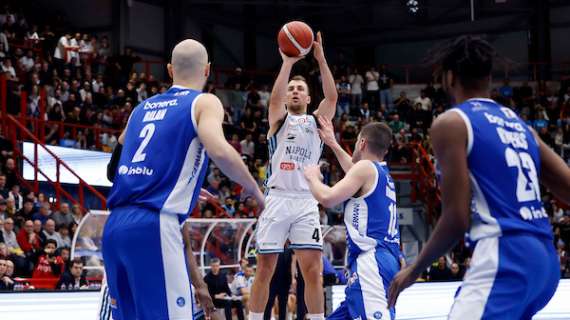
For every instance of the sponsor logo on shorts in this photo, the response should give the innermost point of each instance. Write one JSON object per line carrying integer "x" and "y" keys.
{"x": 377, "y": 315}
{"x": 287, "y": 166}
{"x": 352, "y": 279}
{"x": 181, "y": 302}
{"x": 113, "y": 303}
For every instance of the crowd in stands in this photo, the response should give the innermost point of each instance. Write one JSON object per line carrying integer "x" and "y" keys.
{"x": 85, "y": 83}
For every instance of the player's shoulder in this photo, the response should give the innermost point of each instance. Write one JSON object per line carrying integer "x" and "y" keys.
{"x": 453, "y": 119}
{"x": 363, "y": 168}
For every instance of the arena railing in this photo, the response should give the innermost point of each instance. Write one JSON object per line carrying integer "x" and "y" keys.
{"x": 39, "y": 126}
{"x": 16, "y": 132}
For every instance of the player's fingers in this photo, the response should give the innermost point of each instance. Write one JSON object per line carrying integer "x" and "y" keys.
{"x": 320, "y": 38}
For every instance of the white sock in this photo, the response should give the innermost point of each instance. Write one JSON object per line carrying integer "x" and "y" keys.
{"x": 255, "y": 316}
{"x": 315, "y": 316}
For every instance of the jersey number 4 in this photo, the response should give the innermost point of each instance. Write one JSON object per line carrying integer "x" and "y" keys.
{"x": 146, "y": 133}
{"x": 528, "y": 188}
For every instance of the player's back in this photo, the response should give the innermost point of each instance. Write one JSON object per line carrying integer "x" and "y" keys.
{"x": 504, "y": 166}
{"x": 163, "y": 162}
{"x": 371, "y": 220}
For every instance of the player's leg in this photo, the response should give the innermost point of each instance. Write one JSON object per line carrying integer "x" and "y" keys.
{"x": 266, "y": 263}
{"x": 306, "y": 240}
{"x": 340, "y": 313}
{"x": 501, "y": 279}
{"x": 374, "y": 271}
{"x": 543, "y": 287}
{"x": 311, "y": 265}
{"x": 119, "y": 296}
{"x": 271, "y": 233}
{"x": 156, "y": 266}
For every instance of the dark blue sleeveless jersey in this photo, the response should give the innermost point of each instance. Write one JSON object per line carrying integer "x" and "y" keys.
{"x": 504, "y": 166}
{"x": 372, "y": 219}
{"x": 163, "y": 163}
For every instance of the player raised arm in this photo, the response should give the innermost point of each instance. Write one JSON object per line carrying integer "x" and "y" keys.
{"x": 449, "y": 138}
{"x": 279, "y": 92}
{"x": 554, "y": 173}
{"x": 326, "y": 132}
{"x": 327, "y": 107}
{"x": 352, "y": 182}
{"x": 209, "y": 117}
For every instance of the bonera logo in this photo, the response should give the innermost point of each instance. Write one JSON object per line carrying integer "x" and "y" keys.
{"x": 123, "y": 169}
{"x": 160, "y": 104}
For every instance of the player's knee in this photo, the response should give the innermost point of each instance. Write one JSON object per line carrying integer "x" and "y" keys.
{"x": 314, "y": 273}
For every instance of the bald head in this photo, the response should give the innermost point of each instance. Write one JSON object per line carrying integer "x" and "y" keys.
{"x": 189, "y": 62}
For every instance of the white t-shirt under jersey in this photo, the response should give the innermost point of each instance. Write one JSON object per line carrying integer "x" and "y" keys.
{"x": 294, "y": 146}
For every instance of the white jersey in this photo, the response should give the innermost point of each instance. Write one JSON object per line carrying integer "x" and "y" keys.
{"x": 293, "y": 147}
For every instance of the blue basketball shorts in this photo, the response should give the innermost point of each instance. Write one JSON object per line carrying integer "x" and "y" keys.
{"x": 145, "y": 265}
{"x": 366, "y": 292}
{"x": 511, "y": 277}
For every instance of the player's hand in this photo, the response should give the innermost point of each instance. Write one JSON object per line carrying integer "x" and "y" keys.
{"x": 257, "y": 195}
{"x": 205, "y": 195}
{"x": 289, "y": 60}
{"x": 318, "y": 51}
{"x": 313, "y": 172}
{"x": 205, "y": 300}
{"x": 403, "y": 279}
{"x": 326, "y": 131}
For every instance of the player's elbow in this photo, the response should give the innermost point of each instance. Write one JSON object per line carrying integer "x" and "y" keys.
{"x": 327, "y": 201}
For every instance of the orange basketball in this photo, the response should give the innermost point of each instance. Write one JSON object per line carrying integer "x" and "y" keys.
{"x": 295, "y": 39}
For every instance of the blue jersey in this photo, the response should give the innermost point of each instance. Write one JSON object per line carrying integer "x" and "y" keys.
{"x": 163, "y": 162}
{"x": 372, "y": 220}
{"x": 504, "y": 166}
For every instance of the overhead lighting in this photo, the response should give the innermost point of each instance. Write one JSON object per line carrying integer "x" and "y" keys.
{"x": 413, "y": 6}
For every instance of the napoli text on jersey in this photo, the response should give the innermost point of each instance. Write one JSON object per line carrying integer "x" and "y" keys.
{"x": 504, "y": 166}
{"x": 295, "y": 145}
{"x": 163, "y": 162}
{"x": 514, "y": 238}
{"x": 374, "y": 248}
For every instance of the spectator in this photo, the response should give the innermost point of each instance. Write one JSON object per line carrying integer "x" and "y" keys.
{"x": 4, "y": 192}
{"x": 7, "y": 68}
{"x": 10, "y": 172}
{"x": 364, "y": 111}
{"x": 372, "y": 87}
{"x": 264, "y": 96}
{"x": 247, "y": 146}
{"x": 440, "y": 272}
{"x": 63, "y": 216}
{"x": 28, "y": 240}
{"x": 424, "y": 101}
{"x": 73, "y": 279}
{"x": 60, "y": 55}
{"x": 3, "y": 212}
{"x": 241, "y": 286}
{"x": 77, "y": 214}
{"x": 260, "y": 150}
{"x": 27, "y": 62}
{"x": 220, "y": 291}
{"x": 506, "y": 90}
{"x": 9, "y": 237}
{"x": 356, "y": 82}
{"x": 396, "y": 125}
{"x": 16, "y": 196}
{"x": 456, "y": 274}
{"x": 6, "y": 283}
{"x": 6, "y": 280}
{"x": 344, "y": 95}
{"x": 385, "y": 82}
{"x": 65, "y": 235}
{"x": 49, "y": 233}
{"x": 49, "y": 265}
{"x": 43, "y": 214}
{"x": 236, "y": 143}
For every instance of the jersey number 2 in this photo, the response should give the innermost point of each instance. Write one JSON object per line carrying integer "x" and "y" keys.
{"x": 146, "y": 133}
{"x": 526, "y": 190}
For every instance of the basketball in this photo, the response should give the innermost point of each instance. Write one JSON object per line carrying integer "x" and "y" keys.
{"x": 295, "y": 39}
